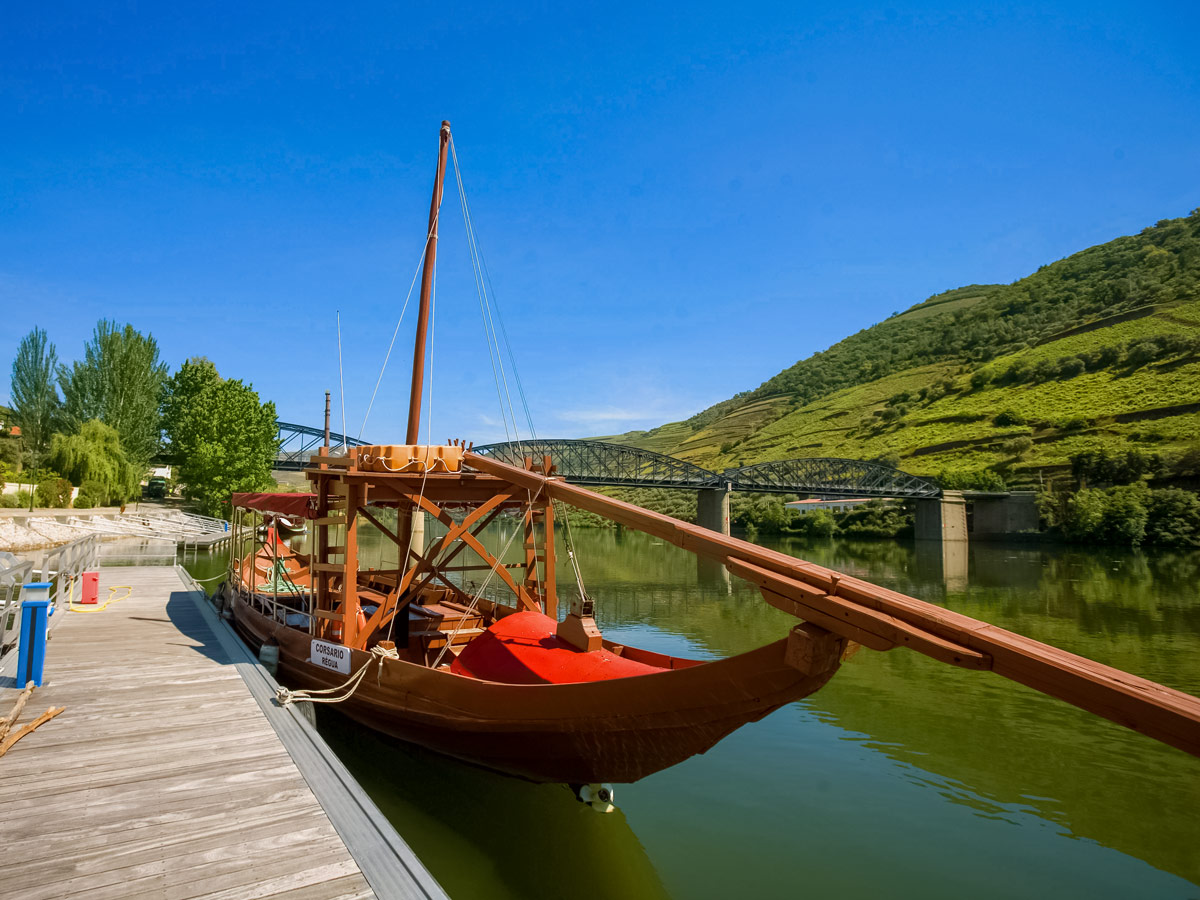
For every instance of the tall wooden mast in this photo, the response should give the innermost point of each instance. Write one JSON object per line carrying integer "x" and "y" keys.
{"x": 414, "y": 401}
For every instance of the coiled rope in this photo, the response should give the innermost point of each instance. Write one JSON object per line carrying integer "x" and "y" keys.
{"x": 342, "y": 692}
{"x": 76, "y": 607}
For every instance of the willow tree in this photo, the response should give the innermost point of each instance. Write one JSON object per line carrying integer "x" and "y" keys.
{"x": 93, "y": 459}
{"x": 221, "y": 437}
{"x": 35, "y": 402}
{"x": 120, "y": 382}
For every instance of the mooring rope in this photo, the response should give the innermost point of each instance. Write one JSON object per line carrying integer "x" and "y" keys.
{"x": 343, "y": 691}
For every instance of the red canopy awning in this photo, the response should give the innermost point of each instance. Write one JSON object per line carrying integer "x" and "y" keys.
{"x": 299, "y": 506}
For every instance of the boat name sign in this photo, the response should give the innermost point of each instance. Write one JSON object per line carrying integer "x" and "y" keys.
{"x": 330, "y": 656}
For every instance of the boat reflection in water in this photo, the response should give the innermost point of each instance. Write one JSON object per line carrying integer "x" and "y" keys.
{"x": 486, "y": 835}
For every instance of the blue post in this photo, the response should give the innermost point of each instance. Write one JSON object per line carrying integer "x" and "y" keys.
{"x": 31, "y": 653}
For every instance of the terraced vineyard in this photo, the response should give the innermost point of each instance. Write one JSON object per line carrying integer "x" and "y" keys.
{"x": 1097, "y": 351}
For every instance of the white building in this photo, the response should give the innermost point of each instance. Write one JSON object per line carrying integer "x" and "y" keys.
{"x": 839, "y": 505}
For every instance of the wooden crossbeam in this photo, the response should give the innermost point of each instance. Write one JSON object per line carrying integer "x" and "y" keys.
{"x": 462, "y": 532}
{"x": 478, "y": 518}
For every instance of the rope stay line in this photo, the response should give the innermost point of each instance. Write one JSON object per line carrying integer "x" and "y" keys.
{"x": 483, "y": 588}
{"x": 406, "y": 552}
{"x": 490, "y": 313}
{"x": 396, "y": 330}
{"x": 341, "y": 379}
{"x": 570, "y": 544}
{"x": 494, "y": 356}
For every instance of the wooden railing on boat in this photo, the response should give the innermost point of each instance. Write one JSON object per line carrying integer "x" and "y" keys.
{"x": 882, "y": 619}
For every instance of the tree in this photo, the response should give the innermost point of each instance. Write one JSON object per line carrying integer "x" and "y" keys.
{"x": 1084, "y": 517}
{"x": 1173, "y": 517}
{"x": 94, "y": 460}
{"x": 120, "y": 382}
{"x": 36, "y": 407}
{"x": 221, "y": 438}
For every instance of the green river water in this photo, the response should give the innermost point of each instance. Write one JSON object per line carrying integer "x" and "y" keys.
{"x": 901, "y": 778}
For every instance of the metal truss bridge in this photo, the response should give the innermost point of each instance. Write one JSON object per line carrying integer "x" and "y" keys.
{"x": 602, "y": 464}
{"x": 299, "y": 442}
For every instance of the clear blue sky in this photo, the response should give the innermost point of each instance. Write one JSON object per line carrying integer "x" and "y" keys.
{"x": 674, "y": 205}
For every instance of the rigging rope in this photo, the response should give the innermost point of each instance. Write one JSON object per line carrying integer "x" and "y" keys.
{"x": 341, "y": 380}
{"x": 490, "y": 287}
{"x": 489, "y": 315}
{"x": 488, "y": 331}
{"x": 403, "y": 310}
{"x": 479, "y": 594}
{"x": 571, "y": 555}
{"x": 407, "y": 551}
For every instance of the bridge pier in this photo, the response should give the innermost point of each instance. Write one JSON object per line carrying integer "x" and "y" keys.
{"x": 1003, "y": 515}
{"x": 942, "y": 519}
{"x": 712, "y": 508}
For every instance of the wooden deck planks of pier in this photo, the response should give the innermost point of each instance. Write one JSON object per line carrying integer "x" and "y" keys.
{"x": 163, "y": 778}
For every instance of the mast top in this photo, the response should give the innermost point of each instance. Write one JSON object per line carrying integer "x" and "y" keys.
{"x": 414, "y": 400}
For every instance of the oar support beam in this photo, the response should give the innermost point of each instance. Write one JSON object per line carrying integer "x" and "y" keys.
{"x": 880, "y": 618}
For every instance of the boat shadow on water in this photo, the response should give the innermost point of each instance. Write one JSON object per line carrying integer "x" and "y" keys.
{"x": 487, "y": 835}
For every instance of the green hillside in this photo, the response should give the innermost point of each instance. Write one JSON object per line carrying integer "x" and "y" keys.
{"x": 1100, "y": 350}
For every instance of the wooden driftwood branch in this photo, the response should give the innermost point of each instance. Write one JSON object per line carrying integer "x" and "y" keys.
{"x": 8, "y": 721}
{"x": 30, "y": 728}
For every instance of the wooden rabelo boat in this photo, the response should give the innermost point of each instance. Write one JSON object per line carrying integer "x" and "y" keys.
{"x": 510, "y": 684}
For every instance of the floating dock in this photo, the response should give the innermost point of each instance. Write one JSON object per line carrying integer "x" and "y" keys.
{"x": 173, "y": 774}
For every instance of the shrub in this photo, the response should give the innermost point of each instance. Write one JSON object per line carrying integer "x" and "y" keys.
{"x": 1126, "y": 516}
{"x": 875, "y": 519}
{"x": 818, "y": 523}
{"x": 1187, "y": 463}
{"x": 1017, "y": 447}
{"x": 979, "y": 480}
{"x": 1071, "y": 366}
{"x": 1084, "y": 517}
{"x": 1118, "y": 468}
{"x": 1008, "y": 417}
{"x": 1141, "y": 353}
{"x": 93, "y": 493}
{"x": 53, "y": 491}
{"x": 19, "y": 500}
{"x": 1173, "y": 517}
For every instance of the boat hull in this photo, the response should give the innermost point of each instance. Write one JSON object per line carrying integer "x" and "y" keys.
{"x": 619, "y": 730}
